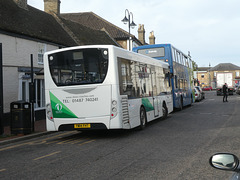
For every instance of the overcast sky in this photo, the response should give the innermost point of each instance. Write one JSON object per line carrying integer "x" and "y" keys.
{"x": 209, "y": 29}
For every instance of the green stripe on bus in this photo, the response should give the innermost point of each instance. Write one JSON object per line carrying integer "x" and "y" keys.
{"x": 148, "y": 106}
{"x": 59, "y": 109}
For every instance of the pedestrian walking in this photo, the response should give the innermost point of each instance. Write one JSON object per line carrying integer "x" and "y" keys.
{"x": 225, "y": 92}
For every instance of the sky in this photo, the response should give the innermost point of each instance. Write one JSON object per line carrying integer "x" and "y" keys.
{"x": 209, "y": 29}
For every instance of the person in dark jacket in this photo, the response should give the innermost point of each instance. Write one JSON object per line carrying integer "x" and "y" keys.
{"x": 225, "y": 91}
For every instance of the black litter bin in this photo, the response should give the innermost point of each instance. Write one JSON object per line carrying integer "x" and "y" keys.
{"x": 21, "y": 117}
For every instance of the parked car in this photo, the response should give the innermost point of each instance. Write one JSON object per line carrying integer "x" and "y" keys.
{"x": 235, "y": 88}
{"x": 238, "y": 90}
{"x": 227, "y": 162}
{"x": 207, "y": 88}
{"x": 202, "y": 94}
{"x": 198, "y": 96}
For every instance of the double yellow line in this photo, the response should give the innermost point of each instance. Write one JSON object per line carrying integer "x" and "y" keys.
{"x": 51, "y": 154}
{"x": 34, "y": 142}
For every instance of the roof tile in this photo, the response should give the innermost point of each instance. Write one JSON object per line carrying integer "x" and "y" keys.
{"x": 37, "y": 24}
{"x": 225, "y": 67}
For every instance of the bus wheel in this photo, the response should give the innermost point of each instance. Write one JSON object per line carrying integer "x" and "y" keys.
{"x": 143, "y": 118}
{"x": 164, "y": 111}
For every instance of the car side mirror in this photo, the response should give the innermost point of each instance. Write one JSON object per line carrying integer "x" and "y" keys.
{"x": 224, "y": 161}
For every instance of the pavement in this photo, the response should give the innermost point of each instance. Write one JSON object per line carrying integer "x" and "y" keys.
{"x": 7, "y": 137}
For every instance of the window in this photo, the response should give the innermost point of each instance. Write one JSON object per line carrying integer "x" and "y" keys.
{"x": 144, "y": 80}
{"x": 185, "y": 59}
{"x": 153, "y": 52}
{"x": 24, "y": 91}
{"x": 237, "y": 73}
{"x": 141, "y": 80}
{"x": 127, "y": 78}
{"x": 173, "y": 55}
{"x": 41, "y": 51}
{"x": 39, "y": 92}
{"x": 135, "y": 79}
{"x": 202, "y": 76}
{"x": 78, "y": 67}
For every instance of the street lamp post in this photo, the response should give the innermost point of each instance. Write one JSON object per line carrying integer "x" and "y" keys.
{"x": 132, "y": 24}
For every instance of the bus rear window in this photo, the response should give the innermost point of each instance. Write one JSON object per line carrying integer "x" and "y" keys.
{"x": 77, "y": 67}
{"x": 153, "y": 52}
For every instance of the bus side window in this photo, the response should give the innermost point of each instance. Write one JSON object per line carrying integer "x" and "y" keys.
{"x": 127, "y": 82}
{"x": 176, "y": 81}
{"x": 173, "y": 55}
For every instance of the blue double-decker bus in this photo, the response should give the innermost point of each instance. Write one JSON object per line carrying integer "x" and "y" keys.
{"x": 181, "y": 71}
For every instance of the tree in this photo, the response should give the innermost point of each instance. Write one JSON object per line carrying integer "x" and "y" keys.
{"x": 195, "y": 66}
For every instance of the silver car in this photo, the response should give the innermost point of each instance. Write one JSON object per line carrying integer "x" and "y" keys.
{"x": 201, "y": 91}
{"x": 198, "y": 96}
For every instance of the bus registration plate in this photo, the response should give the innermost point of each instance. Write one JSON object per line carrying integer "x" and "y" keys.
{"x": 82, "y": 125}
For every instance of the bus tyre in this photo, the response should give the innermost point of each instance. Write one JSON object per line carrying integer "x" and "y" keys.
{"x": 143, "y": 118}
{"x": 164, "y": 111}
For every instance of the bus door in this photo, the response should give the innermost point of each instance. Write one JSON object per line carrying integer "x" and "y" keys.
{"x": 155, "y": 104}
{"x": 154, "y": 92}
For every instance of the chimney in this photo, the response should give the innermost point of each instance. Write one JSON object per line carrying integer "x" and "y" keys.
{"x": 22, "y": 4}
{"x": 141, "y": 33}
{"x": 152, "y": 38}
{"x": 52, "y": 6}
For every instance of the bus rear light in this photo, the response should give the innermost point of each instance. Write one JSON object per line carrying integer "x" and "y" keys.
{"x": 114, "y": 109}
{"x": 49, "y": 112}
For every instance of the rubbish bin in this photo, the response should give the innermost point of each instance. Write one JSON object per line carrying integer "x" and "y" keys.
{"x": 21, "y": 117}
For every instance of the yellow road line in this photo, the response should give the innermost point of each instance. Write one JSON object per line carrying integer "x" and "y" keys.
{"x": 11, "y": 147}
{"x": 51, "y": 142}
{"x": 47, "y": 155}
{"x": 87, "y": 142}
{"x": 78, "y": 141}
{"x": 36, "y": 142}
{"x": 65, "y": 141}
{"x": 43, "y": 141}
{"x": 1, "y": 170}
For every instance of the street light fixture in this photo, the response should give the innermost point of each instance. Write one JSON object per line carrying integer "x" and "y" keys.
{"x": 132, "y": 24}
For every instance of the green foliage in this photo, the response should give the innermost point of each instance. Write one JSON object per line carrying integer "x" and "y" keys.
{"x": 195, "y": 66}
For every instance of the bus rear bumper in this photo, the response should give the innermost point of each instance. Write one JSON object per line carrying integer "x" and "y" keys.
{"x": 82, "y": 126}
{"x": 64, "y": 124}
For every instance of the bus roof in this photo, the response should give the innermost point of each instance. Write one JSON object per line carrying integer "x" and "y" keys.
{"x": 127, "y": 54}
{"x": 156, "y": 46}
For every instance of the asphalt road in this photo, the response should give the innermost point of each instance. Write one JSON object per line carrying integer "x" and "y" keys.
{"x": 176, "y": 148}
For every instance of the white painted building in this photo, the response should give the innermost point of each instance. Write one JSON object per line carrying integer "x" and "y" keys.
{"x": 16, "y": 69}
{"x": 25, "y": 30}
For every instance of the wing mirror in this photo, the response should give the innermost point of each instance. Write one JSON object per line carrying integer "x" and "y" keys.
{"x": 224, "y": 161}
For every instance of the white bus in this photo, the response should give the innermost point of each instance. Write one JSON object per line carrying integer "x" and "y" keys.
{"x": 104, "y": 87}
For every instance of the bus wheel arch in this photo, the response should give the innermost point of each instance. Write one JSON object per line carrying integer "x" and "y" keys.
{"x": 143, "y": 117}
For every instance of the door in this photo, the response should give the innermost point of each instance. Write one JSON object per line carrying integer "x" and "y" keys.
{"x": 155, "y": 92}
{"x": 24, "y": 90}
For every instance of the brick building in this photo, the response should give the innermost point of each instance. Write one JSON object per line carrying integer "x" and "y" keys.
{"x": 207, "y": 76}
